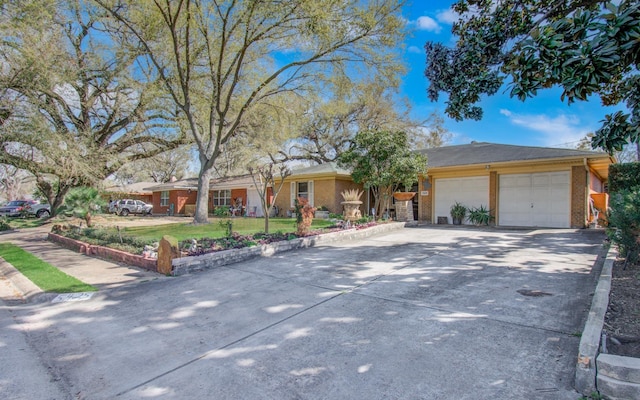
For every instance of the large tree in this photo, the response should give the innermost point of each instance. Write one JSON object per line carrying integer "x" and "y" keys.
{"x": 222, "y": 61}
{"x": 585, "y": 47}
{"x": 340, "y": 110}
{"x": 383, "y": 162}
{"x": 160, "y": 168}
{"x": 77, "y": 105}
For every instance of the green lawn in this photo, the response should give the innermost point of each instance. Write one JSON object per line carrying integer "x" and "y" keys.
{"x": 215, "y": 230}
{"x": 21, "y": 223}
{"x": 45, "y": 276}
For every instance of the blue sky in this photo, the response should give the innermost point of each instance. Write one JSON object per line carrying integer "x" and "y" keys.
{"x": 540, "y": 121}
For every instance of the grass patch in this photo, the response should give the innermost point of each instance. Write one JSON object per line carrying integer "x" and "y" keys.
{"x": 22, "y": 223}
{"x": 44, "y": 275}
{"x": 243, "y": 226}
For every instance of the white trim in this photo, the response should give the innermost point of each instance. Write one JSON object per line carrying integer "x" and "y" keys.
{"x": 294, "y": 191}
{"x": 310, "y": 192}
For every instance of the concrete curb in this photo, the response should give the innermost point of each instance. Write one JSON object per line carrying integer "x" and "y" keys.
{"x": 585, "y": 382}
{"x": 615, "y": 377}
{"x": 185, "y": 265}
{"x": 23, "y": 290}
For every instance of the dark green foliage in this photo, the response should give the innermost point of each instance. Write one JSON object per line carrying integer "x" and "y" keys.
{"x": 83, "y": 202}
{"x": 383, "y": 161}
{"x": 221, "y": 211}
{"x": 480, "y": 215}
{"x": 584, "y": 47}
{"x": 624, "y": 218}
{"x": 4, "y": 224}
{"x": 106, "y": 237}
{"x": 623, "y": 176}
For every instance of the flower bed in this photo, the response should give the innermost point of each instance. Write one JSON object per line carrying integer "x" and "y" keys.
{"x": 212, "y": 259}
{"x": 193, "y": 247}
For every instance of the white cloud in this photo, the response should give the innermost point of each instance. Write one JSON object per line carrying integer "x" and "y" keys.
{"x": 556, "y": 131}
{"x": 425, "y": 23}
{"x": 447, "y": 16}
{"x": 414, "y": 49}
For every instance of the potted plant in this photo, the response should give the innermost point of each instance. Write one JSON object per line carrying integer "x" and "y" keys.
{"x": 458, "y": 212}
{"x": 480, "y": 215}
{"x": 352, "y": 204}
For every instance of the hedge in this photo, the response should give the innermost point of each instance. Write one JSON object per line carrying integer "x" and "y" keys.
{"x": 623, "y": 176}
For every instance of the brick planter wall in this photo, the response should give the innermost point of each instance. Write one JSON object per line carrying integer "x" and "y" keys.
{"x": 104, "y": 252}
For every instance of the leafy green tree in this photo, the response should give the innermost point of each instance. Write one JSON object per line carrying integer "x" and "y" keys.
{"x": 83, "y": 202}
{"x": 343, "y": 109}
{"x": 383, "y": 161}
{"x": 75, "y": 105}
{"x": 224, "y": 62}
{"x": 586, "y": 47}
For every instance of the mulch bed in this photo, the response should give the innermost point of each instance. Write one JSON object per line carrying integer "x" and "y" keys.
{"x": 622, "y": 321}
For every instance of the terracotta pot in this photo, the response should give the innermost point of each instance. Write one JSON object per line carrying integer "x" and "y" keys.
{"x": 404, "y": 196}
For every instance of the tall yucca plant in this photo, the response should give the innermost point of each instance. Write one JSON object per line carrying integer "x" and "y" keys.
{"x": 83, "y": 202}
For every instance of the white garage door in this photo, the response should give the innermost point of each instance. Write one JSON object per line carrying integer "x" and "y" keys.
{"x": 471, "y": 192}
{"x": 541, "y": 199}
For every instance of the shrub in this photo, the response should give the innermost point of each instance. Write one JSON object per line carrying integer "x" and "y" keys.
{"x": 624, "y": 222}
{"x": 104, "y": 237}
{"x": 480, "y": 215}
{"x": 304, "y": 215}
{"x": 624, "y": 176}
{"x": 221, "y": 211}
{"x": 4, "y": 224}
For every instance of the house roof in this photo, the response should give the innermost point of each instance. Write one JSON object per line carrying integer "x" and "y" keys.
{"x": 138, "y": 187}
{"x": 487, "y": 153}
{"x": 230, "y": 182}
{"x": 330, "y": 168}
{"x": 184, "y": 184}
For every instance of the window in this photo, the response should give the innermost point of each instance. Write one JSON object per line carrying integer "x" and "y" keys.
{"x": 164, "y": 198}
{"x": 222, "y": 197}
{"x": 302, "y": 189}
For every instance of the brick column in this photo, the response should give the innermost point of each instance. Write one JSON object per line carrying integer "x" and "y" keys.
{"x": 578, "y": 197}
{"x": 424, "y": 207}
{"x": 493, "y": 196}
{"x": 404, "y": 210}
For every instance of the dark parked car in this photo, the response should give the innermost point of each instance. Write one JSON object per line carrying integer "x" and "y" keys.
{"x": 19, "y": 208}
{"x": 128, "y": 206}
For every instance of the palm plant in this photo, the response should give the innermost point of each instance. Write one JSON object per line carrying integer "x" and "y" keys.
{"x": 83, "y": 202}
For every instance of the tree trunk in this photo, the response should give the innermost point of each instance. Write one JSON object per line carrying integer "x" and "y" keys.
{"x": 201, "y": 215}
{"x": 54, "y": 198}
{"x": 266, "y": 209}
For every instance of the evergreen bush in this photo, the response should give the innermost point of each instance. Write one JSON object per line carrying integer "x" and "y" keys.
{"x": 624, "y": 221}
{"x": 623, "y": 176}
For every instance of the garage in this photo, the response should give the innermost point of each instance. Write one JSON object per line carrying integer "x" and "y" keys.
{"x": 469, "y": 191}
{"x": 539, "y": 199}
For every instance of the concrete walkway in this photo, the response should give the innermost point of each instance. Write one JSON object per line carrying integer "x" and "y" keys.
{"x": 421, "y": 313}
{"x": 100, "y": 273}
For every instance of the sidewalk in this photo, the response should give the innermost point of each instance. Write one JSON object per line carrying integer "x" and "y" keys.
{"x": 99, "y": 273}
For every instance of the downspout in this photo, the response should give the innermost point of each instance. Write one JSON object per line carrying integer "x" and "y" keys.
{"x": 587, "y": 190}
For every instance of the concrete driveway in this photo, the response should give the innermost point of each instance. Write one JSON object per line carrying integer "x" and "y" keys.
{"x": 421, "y": 313}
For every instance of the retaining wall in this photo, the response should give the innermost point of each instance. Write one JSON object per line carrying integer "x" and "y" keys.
{"x": 185, "y": 265}
{"x": 105, "y": 252}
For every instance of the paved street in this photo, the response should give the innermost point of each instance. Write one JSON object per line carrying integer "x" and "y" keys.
{"x": 420, "y": 313}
